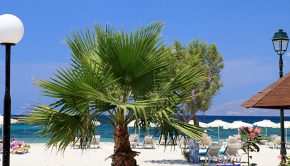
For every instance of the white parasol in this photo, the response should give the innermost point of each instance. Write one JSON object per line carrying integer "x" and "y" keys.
{"x": 218, "y": 124}
{"x": 266, "y": 124}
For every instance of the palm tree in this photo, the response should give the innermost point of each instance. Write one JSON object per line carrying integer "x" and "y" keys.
{"x": 125, "y": 75}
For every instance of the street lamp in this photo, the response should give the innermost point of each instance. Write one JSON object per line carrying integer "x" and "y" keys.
{"x": 280, "y": 44}
{"x": 11, "y": 32}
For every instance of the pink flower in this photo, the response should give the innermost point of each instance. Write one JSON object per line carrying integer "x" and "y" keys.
{"x": 257, "y": 131}
{"x": 250, "y": 129}
{"x": 280, "y": 157}
{"x": 252, "y": 135}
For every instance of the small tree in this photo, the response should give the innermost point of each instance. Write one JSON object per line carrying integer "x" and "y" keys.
{"x": 212, "y": 62}
{"x": 126, "y": 75}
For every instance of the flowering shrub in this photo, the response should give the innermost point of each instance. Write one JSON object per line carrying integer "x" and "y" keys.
{"x": 286, "y": 162}
{"x": 250, "y": 137}
{"x": 250, "y": 133}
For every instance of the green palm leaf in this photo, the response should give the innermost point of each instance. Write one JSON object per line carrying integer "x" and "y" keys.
{"x": 127, "y": 75}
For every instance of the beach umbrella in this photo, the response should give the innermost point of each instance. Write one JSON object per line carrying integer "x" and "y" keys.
{"x": 132, "y": 124}
{"x": 96, "y": 123}
{"x": 218, "y": 124}
{"x": 191, "y": 122}
{"x": 286, "y": 126}
{"x": 237, "y": 124}
{"x": 201, "y": 124}
{"x": 151, "y": 125}
{"x": 12, "y": 120}
{"x": 265, "y": 123}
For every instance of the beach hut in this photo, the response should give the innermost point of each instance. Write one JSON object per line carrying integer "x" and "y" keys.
{"x": 275, "y": 96}
{"x": 265, "y": 123}
{"x": 218, "y": 124}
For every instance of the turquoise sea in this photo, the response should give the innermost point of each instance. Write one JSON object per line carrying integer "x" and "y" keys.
{"x": 27, "y": 132}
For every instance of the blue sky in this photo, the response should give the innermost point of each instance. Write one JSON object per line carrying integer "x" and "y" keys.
{"x": 242, "y": 30}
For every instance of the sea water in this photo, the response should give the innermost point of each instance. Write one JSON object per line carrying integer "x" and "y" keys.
{"x": 28, "y": 133}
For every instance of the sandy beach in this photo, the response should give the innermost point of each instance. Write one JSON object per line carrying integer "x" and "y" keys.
{"x": 40, "y": 156}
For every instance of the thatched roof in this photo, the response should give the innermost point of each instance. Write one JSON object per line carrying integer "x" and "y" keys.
{"x": 275, "y": 96}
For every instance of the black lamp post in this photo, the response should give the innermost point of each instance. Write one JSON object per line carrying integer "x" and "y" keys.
{"x": 11, "y": 32}
{"x": 280, "y": 44}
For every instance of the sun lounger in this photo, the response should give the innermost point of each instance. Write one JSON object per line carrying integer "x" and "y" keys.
{"x": 184, "y": 143}
{"x": 149, "y": 142}
{"x": 176, "y": 140}
{"x": 205, "y": 142}
{"x": 76, "y": 143}
{"x": 233, "y": 139}
{"x": 134, "y": 140}
{"x": 161, "y": 140}
{"x": 231, "y": 152}
{"x": 212, "y": 153}
{"x": 277, "y": 142}
{"x": 95, "y": 143}
{"x": 274, "y": 142}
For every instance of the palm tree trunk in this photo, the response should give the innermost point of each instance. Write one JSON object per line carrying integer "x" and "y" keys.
{"x": 123, "y": 154}
{"x": 194, "y": 118}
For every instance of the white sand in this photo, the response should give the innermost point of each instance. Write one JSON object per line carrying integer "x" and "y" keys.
{"x": 39, "y": 156}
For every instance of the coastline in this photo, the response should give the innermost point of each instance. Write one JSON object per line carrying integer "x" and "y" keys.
{"x": 27, "y": 132}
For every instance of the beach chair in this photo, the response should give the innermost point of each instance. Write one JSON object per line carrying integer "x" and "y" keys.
{"x": 161, "y": 140}
{"x": 134, "y": 140}
{"x": 277, "y": 142}
{"x": 212, "y": 153}
{"x": 274, "y": 141}
{"x": 222, "y": 142}
{"x": 184, "y": 143}
{"x": 76, "y": 143}
{"x": 231, "y": 152}
{"x": 176, "y": 140}
{"x": 205, "y": 142}
{"x": 149, "y": 142}
{"x": 238, "y": 137}
{"x": 233, "y": 139}
{"x": 95, "y": 142}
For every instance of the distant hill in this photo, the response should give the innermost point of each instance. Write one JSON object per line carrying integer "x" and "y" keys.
{"x": 233, "y": 108}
